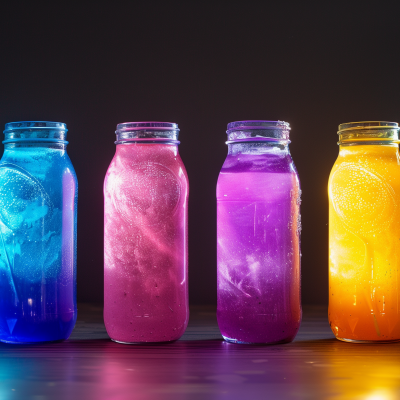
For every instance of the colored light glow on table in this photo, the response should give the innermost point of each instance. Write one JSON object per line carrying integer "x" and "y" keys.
{"x": 380, "y": 396}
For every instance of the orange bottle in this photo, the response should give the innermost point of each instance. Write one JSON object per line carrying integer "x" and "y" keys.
{"x": 364, "y": 234}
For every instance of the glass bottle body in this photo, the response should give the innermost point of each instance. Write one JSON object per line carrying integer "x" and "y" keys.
{"x": 364, "y": 251}
{"x": 38, "y": 210}
{"x": 258, "y": 250}
{"x": 145, "y": 244}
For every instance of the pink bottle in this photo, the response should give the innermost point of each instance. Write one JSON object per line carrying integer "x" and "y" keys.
{"x": 145, "y": 236}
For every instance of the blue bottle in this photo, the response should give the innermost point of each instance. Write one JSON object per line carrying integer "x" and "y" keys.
{"x": 38, "y": 210}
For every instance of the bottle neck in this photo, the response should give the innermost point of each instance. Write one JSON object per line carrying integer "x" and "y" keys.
{"x": 30, "y": 134}
{"x": 362, "y": 136}
{"x": 147, "y": 132}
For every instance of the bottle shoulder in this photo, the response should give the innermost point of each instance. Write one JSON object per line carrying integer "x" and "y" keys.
{"x": 142, "y": 170}
{"x": 35, "y": 154}
{"x": 121, "y": 163}
{"x": 42, "y": 162}
{"x": 239, "y": 167}
{"x": 385, "y": 163}
{"x": 257, "y": 180}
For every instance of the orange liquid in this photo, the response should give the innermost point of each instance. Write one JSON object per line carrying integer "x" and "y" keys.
{"x": 364, "y": 243}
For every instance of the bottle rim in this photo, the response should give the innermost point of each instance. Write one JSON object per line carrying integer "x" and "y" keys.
{"x": 365, "y": 125}
{"x": 146, "y": 126}
{"x": 257, "y": 124}
{"x": 27, "y": 125}
{"x": 147, "y": 132}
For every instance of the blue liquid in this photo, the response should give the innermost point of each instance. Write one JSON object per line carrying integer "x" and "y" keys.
{"x": 38, "y": 205}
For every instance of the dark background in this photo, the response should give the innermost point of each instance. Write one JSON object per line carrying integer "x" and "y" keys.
{"x": 202, "y": 65}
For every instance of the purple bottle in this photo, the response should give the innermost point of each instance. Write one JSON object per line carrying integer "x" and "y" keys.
{"x": 258, "y": 235}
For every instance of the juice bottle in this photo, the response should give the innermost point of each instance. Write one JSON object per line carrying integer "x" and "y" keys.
{"x": 258, "y": 236}
{"x": 38, "y": 210}
{"x": 364, "y": 234}
{"x": 145, "y": 236}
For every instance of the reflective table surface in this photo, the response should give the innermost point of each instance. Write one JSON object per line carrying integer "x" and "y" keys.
{"x": 200, "y": 365}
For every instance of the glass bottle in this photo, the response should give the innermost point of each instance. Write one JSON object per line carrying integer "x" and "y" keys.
{"x": 38, "y": 209}
{"x": 364, "y": 234}
{"x": 258, "y": 236}
{"x": 145, "y": 236}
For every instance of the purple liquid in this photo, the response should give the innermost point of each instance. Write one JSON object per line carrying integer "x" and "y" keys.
{"x": 258, "y": 221}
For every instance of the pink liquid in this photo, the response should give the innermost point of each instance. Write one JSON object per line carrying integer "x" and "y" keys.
{"x": 258, "y": 199}
{"x": 145, "y": 244}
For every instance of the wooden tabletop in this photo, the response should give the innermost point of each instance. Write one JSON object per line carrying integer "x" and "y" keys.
{"x": 200, "y": 365}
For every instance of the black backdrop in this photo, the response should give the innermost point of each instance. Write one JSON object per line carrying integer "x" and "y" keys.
{"x": 202, "y": 65}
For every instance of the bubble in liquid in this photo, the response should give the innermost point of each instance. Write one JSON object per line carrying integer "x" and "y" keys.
{"x": 362, "y": 199}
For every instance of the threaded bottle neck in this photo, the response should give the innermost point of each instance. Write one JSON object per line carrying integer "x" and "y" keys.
{"x": 35, "y": 133}
{"x": 258, "y": 131}
{"x": 368, "y": 132}
{"x": 147, "y": 133}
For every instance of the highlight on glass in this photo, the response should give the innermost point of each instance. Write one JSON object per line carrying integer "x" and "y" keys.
{"x": 38, "y": 209}
{"x": 146, "y": 235}
{"x": 364, "y": 234}
{"x": 258, "y": 236}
